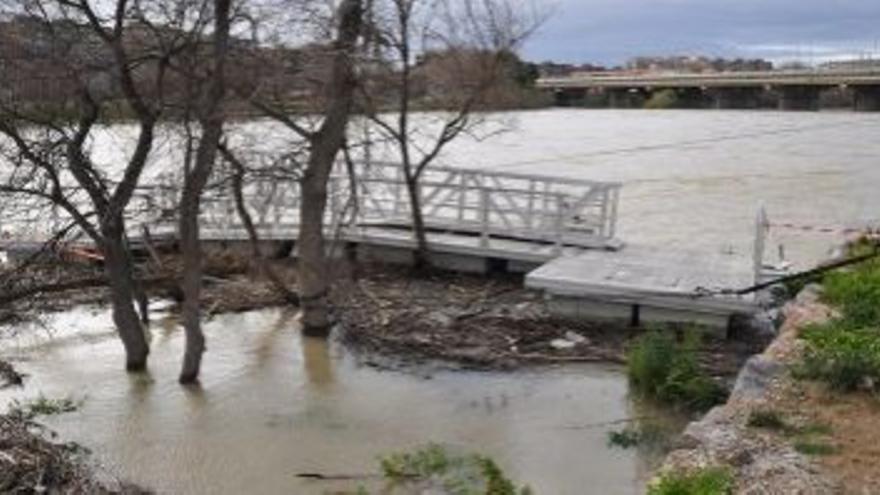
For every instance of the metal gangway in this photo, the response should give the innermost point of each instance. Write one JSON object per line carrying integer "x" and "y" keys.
{"x": 477, "y": 208}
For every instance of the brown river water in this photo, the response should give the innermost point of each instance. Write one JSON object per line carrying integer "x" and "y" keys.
{"x": 273, "y": 404}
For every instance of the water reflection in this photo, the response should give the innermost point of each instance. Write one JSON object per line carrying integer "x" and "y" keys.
{"x": 317, "y": 363}
{"x": 273, "y": 404}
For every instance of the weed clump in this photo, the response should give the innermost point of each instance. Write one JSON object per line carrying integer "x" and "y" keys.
{"x": 707, "y": 481}
{"x": 768, "y": 419}
{"x": 455, "y": 474}
{"x": 814, "y": 448}
{"x": 42, "y": 406}
{"x": 647, "y": 435}
{"x": 662, "y": 368}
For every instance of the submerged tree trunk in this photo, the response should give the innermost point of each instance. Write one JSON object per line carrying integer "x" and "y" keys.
{"x": 119, "y": 270}
{"x": 211, "y": 118}
{"x": 191, "y": 282}
{"x": 325, "y": 146}
{"x": 313, "y": 276}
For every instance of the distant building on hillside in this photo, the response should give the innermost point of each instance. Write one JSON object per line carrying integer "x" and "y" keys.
{"x": 697, "y": 64}
{"x": 554, "y": 69}
{"x": 858, "y": 64}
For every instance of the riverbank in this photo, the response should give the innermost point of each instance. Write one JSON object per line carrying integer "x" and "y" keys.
{"x": 780, "y": 433}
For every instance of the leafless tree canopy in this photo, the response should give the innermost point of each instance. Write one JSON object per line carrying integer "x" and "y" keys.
{"x": 71, "y": 69}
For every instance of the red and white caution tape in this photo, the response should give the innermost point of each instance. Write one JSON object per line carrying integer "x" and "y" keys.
{"x": 869, "y": 231}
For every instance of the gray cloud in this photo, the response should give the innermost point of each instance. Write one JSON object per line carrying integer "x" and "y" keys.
{"x": 612, "y": 31}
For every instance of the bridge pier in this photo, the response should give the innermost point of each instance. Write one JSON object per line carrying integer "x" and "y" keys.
{"x": 744, "y": 98}
{"x": 866, "y": 98}
{"x": 799, "y": 98}
{"x": 626, "y": 98}
{"x": 570, "y": 97}
{"x": 691, "y": 98}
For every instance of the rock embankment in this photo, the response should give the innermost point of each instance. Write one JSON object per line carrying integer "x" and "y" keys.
{"x": 760, "y": 461}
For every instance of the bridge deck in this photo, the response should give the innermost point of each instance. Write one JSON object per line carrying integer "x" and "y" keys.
{"x": 824, "y": 77}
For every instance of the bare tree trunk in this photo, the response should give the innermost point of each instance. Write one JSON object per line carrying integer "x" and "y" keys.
{"x": 191, "y": 282}
{"x": 326, "y": 143}
{"x": 313, "y": 279}
{"x": 211, "y": 118}
{"x": 119, "y": 269}
{"x": 421, "y": 257}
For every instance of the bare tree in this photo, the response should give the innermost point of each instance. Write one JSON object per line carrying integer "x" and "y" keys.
{"x": 90, "y": 54}
{"x": 443, "y": 56}
{"x": 211, "y": 118}
{"x": 333, "y": 105}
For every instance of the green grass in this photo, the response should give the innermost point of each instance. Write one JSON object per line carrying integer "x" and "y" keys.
{"x": 843, "y": 356}
{"x": 661, "y": 368}
{"x": 815, "y": 429}
{"x": 814, "y": 448}
{"x": 845, "y": 352}
{"x": 707, "y": 481}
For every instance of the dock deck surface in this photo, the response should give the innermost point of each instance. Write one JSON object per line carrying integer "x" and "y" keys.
{"x": 650, "y": 275}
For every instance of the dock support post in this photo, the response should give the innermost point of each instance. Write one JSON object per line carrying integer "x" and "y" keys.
{"x": 462, "y": 195}
{"x": 559, "y": 222}
{"x": 484, "y": 217}
{"x": 762, "y": 225}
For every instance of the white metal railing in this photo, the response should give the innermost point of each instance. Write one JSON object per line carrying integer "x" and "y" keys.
{"x": 486, "y": 204}
{"x": 492, "y": 204}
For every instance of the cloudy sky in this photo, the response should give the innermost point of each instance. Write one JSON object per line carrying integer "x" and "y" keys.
{"x": 612, "y": 31}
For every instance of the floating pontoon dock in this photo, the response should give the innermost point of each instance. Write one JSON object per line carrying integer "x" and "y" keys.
{"x": 560, "y": 232}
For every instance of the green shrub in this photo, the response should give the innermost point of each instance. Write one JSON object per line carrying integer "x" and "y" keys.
{"x": 841, "y": 355}
{"x": 857, "y": 293}
{"x": 707, "y": 481}
{"x": 664, "y": 369}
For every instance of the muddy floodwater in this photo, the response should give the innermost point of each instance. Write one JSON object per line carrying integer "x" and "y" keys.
{"x": 273, "y": 404}
{"x": 691, "y": 179}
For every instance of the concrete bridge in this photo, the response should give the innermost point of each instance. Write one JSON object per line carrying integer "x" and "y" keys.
{"x": 794, "y": 89}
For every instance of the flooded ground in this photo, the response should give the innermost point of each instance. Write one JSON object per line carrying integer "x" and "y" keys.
{"x": 273, "y": 405}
